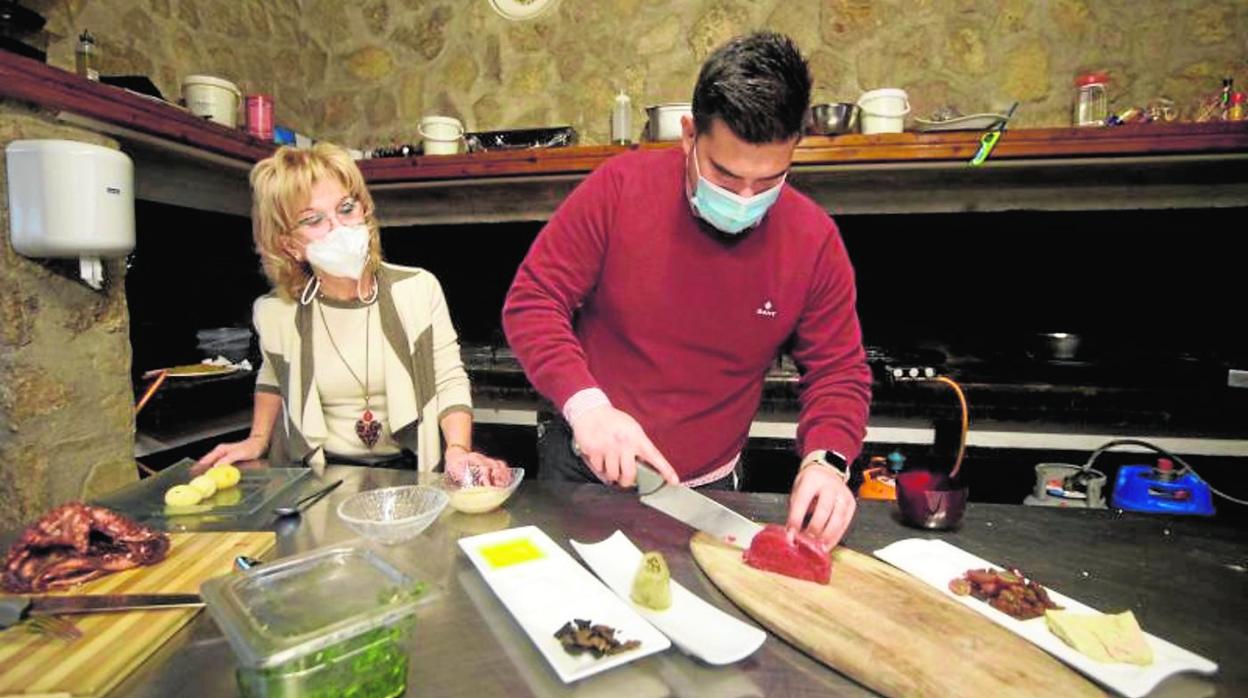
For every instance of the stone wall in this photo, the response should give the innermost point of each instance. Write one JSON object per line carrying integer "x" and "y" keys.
{"x": 66, "y": 406}
{"x": 405, "y": 59}
{"x": 257, "y": 44}
{"x": 364, "y": 72}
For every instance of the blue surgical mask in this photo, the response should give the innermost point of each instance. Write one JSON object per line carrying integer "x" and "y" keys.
{"x": 729, "y": 212}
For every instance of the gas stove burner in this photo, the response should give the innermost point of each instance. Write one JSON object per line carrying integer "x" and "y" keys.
{"x": 896, "y": 356}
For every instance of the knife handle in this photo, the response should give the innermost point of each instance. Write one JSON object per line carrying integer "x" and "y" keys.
{"x": 13, "y": 610}
{"x": 648, "y": 479}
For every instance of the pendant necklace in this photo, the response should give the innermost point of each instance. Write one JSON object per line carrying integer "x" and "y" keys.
{"x": 366, "y": 427}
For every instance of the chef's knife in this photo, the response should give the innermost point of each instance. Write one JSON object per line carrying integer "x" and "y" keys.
{"x": 15, "y": 608}
{"x": 694, "y": 509}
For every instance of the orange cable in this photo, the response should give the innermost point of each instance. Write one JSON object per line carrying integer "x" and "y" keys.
{"x": 966, "y": 423}
{"x": 151, "y": 390}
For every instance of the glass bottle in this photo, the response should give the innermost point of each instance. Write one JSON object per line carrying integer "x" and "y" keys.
{"x": 1091, "y": 103}
{"x": 86, "y": 57}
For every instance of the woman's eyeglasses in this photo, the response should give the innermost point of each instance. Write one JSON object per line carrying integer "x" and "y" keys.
{"x": 319, "y": 222}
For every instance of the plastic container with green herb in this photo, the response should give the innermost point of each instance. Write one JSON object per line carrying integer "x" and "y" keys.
{"x": 333, "y": 622}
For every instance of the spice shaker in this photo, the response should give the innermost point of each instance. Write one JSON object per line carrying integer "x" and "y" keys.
{"x": 86, "y": 57}
{"x": 622, "y": 120}
{"x": 1091, "y": 103}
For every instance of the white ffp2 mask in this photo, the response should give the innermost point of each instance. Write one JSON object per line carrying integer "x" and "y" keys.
{"x": 342, "y": 252}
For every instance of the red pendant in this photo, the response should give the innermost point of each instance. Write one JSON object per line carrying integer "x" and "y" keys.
{"x": 368, "y": 429}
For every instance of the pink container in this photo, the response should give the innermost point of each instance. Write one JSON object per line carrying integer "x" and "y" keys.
{"x": 260, "y": 116}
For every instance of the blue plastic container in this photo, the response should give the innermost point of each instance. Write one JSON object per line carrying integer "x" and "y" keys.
{"x": 1139, "y": 488}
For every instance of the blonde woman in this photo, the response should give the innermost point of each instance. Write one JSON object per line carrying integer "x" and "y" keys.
{"x": 361, "y": 362}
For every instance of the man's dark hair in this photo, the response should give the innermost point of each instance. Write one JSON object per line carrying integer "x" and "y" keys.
{"x": 757, "y": 84}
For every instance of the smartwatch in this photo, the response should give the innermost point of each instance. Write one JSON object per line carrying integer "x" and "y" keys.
{"x": 829, "y": 458}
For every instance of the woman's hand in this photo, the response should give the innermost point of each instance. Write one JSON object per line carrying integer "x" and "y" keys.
{"x": 470, "y": 467}
{"x": 248, "y": 449}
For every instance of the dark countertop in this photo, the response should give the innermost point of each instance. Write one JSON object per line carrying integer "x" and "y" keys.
{"x": 1186, "y": 580}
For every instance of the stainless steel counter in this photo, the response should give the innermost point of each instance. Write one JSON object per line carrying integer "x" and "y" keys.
{"x": 1185, "y": 579}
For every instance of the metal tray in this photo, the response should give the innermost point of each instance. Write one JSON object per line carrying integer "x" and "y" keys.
{"x": 972, "y": 122}
{"x": 258, "y": 488}
{"x": 521, "y": 138}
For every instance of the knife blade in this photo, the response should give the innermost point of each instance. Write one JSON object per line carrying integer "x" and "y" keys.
{"x": 694, "y": 509}
{"x": 14, "y": 608}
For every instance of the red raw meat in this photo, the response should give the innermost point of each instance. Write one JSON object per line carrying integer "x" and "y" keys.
{"x": 804, "y": 558}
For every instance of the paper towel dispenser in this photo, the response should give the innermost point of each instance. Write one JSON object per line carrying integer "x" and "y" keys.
{"x": 70, "y": 199}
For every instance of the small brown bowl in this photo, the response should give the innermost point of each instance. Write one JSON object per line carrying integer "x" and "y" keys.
{"x": 930, "y": 500}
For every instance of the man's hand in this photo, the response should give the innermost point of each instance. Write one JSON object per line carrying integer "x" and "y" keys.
{"x": 821, "y": 493}
{"x": 611, "y": 442}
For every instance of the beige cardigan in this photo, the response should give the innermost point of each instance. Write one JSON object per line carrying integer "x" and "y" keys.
{"x": 425, "y": 378}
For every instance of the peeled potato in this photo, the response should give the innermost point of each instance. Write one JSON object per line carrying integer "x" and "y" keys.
{"x": 225, "y": 475}
{"x": 182, "y": 496}
{"x": 227, "y": 497}
{"x": 206, "y": 485}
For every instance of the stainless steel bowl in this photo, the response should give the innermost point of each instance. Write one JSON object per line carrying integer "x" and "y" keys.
{"x": 832, "y": 119}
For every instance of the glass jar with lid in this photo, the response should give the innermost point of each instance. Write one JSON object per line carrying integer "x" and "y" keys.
{"x": 1091, "y": 102}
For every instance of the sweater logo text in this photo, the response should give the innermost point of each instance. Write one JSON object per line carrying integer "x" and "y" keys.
{"x": 767, "y": 310}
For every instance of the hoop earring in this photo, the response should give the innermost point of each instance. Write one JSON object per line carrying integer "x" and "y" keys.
{"x": 359, "y": 290}
{"x": 310, "y": 290}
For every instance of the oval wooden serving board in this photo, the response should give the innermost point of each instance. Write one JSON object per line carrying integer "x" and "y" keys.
{"x": 888, "y": 631}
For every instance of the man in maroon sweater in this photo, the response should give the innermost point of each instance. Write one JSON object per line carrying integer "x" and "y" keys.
{"x": 651, "y": 306}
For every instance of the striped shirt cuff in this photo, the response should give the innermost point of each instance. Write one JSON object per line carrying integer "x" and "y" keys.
{"x": 583, "y": 401}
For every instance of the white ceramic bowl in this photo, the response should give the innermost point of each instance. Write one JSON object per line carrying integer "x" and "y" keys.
{"x": 480, "y": 499}
{"x": 393, "y": 514}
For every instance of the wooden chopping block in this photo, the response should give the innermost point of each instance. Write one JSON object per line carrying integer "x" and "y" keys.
{"x": 115, "y": 644}
{"x": 888, "y": 631}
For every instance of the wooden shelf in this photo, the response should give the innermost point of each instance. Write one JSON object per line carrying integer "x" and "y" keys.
{"x": 192, "y": 162}
{"x": 46, "y": 86}
{"x": 853, "y": 149}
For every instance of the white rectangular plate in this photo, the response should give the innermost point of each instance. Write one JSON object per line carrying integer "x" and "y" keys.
{"x": 697, "y": 627}
{"x": 543, "y": 587}
{"x": 937, "y": 563}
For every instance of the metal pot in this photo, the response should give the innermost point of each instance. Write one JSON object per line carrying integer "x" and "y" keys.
{"x": 832, "y": 119}
{"x": 1062, "y": 346}
{"x": 663, "y": 121}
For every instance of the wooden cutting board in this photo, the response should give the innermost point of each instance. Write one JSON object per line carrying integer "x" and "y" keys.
{"x": 114, "y": 644}
{"x": 888, "y": 631}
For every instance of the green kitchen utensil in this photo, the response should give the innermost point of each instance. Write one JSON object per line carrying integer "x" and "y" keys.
{"x": 988, "y": 141}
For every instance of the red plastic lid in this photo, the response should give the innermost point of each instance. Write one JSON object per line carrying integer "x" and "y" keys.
{"x": 1091, "y": 79}
{"x": 1165, "y": 465}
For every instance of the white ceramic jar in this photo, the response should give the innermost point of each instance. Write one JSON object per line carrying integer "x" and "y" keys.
{"x": 212, "y": 98}
{"x": 883, "y": 110}
{"x": 442, "y": 134}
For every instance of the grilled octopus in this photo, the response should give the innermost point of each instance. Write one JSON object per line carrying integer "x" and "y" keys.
{"x": 77, "y": 542}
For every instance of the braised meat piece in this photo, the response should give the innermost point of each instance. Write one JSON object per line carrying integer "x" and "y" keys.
{"x": 77, "y": 542}
{"x": 1008, "y": 591}
{"x": 579, "y": 636}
